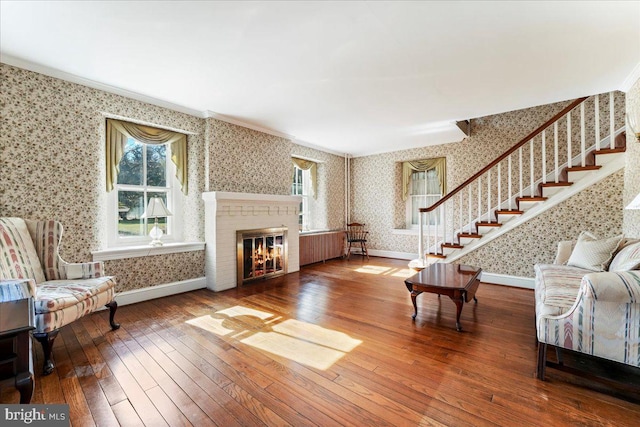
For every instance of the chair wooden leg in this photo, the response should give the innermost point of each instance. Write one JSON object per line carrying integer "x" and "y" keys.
{"x": 364, "y": 249}
{"x": 349, "y": 251}
{"x": 113, "y": 306}
{"x": 542, "y": 359}
{"x": 46, "y": 339}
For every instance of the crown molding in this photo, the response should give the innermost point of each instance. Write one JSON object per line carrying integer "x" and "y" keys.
{"x": 212, "y": 114}
{"x": 317, "y": 147}
{"x": 72, "y": 78}
{"x": 633, "y": 77}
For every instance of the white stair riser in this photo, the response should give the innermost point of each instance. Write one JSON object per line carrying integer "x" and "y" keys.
{"x": 550, "y": 191}
{"x": 577, "y": 176}
{"x": 603, "y": 159}
{"x": 466, "y": 241}
{"x": 448, "y": 251}
{"x": 525, "y": 206}
{"x": 502, "y": 219}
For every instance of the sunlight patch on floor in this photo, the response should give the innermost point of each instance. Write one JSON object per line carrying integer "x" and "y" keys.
{"x": 386, "y": 271}
{"x": 210, "y": 324}
{"x": 317, "y": 335}
{"x": 299, "y": 341}
{"x": 373, "y": 269}
{"x": 239, "y": 310}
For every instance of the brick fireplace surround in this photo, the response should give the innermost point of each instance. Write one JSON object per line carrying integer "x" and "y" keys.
{"x": 226, "y": 213}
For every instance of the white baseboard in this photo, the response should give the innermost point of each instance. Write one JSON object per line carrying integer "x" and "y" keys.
{"x": 159, "y": 291}
{"x": 503, "y": 279}
{"x": 392, "y": 254}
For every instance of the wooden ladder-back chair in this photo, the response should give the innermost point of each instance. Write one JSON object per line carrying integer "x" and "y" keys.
{"x": 357, "y": 236}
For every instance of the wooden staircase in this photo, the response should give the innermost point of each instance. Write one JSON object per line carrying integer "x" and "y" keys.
{"x": 480, "y": 210}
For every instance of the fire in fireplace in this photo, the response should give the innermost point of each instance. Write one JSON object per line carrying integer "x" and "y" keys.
{"x": 262, "y": 253}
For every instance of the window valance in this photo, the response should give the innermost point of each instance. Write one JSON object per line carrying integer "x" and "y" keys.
{"x": 312, "y": 167}
{"x": 117, "y": 133}
{"x": 439, "y": 164}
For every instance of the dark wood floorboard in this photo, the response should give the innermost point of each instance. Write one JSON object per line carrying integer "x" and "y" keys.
{"x": 332, "y": 345}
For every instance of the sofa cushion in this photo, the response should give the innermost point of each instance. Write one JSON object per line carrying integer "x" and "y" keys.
{"x": 593, "y": 254}
{"x": 557, "y": 287}
{"x": 18, "y": 257}
{"x": 628, "y": 258}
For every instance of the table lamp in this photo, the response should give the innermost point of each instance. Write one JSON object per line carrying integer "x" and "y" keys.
{"x": 156, "y": 209}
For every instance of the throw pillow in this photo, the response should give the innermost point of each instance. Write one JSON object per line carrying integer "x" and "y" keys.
{"x": 627, "y": 259}
{"x": 593, "y": 254}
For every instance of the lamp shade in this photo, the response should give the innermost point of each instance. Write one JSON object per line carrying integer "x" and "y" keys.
{"x": 156, "y": 209}
{"x": 635, "y": 203}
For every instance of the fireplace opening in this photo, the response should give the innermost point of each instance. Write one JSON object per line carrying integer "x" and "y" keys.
{"x": 261, "y": 253}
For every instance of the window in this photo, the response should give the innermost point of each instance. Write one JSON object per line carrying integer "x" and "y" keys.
{"x": 424, "y": 191}
{"x": 144, "y": 173}
{"x": 301, "y": 186}
{"x": 424, "y": 183}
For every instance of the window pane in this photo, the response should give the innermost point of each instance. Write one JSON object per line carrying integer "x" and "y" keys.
{"x": 130, "y": 208}
{"x": 131, "y": 164}
{"x": 156, "y": 165}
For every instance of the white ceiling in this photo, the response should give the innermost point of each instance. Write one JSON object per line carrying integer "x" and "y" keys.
{"x": 350, "y": 77}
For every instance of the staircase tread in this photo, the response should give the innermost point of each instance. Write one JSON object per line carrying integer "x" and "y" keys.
{"x": 610, "y": 150}
{"x": 452, "y": 246}
{"x": 532, "y": 199}
{"x": 488, "y": 224}
{"x": 509, "y": 212}
{"x": 470, "y": 235}
{"x": 432, "y": 255}
{"x": 556, "y": 184}
{"x": 583, "y": 168}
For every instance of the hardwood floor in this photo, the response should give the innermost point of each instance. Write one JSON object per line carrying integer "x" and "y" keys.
{"x": 331, "y": 345}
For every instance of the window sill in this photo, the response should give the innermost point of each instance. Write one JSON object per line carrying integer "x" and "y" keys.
{"x": 146, "y": 250}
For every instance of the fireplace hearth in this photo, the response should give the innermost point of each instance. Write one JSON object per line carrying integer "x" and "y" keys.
{"x": 262, "y": 253}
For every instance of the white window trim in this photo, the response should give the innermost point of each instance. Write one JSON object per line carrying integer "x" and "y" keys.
{"x": 306, "y": 193}
{"x": 174, "y": 222}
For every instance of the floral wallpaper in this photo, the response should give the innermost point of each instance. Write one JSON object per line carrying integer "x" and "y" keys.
{"x": 631, "y": 224}
{"x": 378, "y": 177}
{"x": 52, "y": 135}
{"x": 247, "y": 161}
{"x": 135, "y": 273}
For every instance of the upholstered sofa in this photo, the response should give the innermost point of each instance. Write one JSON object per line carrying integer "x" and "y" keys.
{"x": 64, "y": 292}
{"x": 586, "y": 310}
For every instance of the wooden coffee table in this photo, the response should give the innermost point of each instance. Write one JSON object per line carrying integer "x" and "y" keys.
{"x": 458, "y": 282}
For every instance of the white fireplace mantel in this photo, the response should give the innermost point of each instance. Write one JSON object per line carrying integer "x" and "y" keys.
{"x": 226, "y": 213}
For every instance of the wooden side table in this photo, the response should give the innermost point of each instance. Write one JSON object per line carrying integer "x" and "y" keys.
{"x": 17, "y": 317}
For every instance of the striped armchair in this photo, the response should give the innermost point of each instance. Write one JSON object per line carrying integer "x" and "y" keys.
{"x": 64, "y": 291}
{"x": 596, "y": 313}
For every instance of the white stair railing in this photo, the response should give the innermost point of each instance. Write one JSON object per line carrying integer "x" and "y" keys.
{"x": 443, "y": 221}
